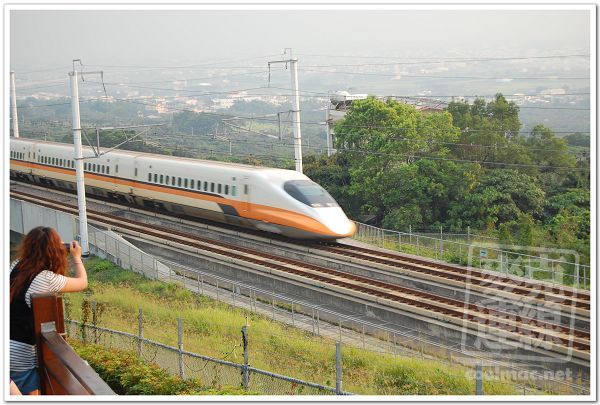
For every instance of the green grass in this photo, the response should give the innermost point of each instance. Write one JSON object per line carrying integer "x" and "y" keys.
{"x": 213, "y": 329}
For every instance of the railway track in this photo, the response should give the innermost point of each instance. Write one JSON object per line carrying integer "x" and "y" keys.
{"x": 531, "y": 290}
{"x": 534, "y": 332}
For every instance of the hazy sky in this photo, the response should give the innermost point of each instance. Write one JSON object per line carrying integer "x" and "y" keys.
{"x": 53, "y": 38}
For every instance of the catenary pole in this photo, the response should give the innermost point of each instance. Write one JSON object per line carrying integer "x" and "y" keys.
{"x": 296, "y": 115}
{"x": 83, "y": 229}
{"x": 328, "y": 126}
{"x": 296, "y": 111}
{"x": 15, "y": 119}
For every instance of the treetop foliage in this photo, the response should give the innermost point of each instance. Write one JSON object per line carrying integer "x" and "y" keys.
{"x": 466, "y": 166}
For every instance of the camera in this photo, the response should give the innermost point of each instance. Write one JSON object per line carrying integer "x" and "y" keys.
{"x": 67, "y": 245}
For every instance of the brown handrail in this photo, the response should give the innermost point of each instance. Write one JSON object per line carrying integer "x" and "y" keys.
{"x": 62, "y": 371}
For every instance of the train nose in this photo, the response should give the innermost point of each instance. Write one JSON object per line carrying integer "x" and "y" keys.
{"x": 336, "y": 220}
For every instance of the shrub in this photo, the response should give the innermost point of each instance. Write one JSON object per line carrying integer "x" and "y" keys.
{"x": 128, "y": 375}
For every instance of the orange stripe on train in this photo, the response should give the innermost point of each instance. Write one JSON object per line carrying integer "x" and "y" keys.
{"x": 256, "y": 212}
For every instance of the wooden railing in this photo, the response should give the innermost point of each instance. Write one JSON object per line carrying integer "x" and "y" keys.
{"x": 62, "y": 371}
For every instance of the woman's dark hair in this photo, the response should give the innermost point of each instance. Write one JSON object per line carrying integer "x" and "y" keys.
{"x": 41, "y": 249}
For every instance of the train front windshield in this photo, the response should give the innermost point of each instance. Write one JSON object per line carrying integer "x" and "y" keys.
{"x": 309, "y": 193}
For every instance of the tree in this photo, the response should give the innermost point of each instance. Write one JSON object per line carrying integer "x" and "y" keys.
{"x": 489, "y": 130}
{"x": 578, "y": 139}
{"x": 382, "y": 141}
{"x": 500, "y": 196}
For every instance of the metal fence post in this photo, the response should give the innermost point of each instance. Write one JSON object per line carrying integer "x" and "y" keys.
{"x": 293, "y": 321}
{"x": 340, "y": 325}
{"x": 313, "y": 320}
{"x": 318, "y": 326}
{"x": 180, "y": 347}
{"x": 273, "y": 307}
{"x": 363, "y": 336}
{"x": 478, "y": 380}
{"x": 95, "y": 320}
{"x": 245, "y": 369}
{"x": 217, "y": 290}
{"x": 233, "y": 293}
{"x": 140, "y": 332}
{"x": 338, "y": 368}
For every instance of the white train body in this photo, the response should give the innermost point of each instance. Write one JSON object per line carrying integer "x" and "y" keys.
{"x": 274, "y": 200}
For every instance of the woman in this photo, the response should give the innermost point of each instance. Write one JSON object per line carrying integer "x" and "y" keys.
{"x": 40, "y": 268}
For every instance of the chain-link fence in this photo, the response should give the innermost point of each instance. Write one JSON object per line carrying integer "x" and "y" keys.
{"x": 213, "y": 373}
{"x": 483, "y": 254}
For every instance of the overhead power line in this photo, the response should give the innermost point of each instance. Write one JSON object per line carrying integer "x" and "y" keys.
{"x": 551, "y": 77}
{"x": 451, "y": 60}
{"x": 459, "y": 58}
{"x": 417, "y": 156}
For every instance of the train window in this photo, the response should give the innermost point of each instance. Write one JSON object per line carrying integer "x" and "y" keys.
{"x": 212, "y": 187}
{"x": 199, "y": 185}
{"x": 192, "y": 183}
{"x": 219, "y": 188}
{"x": 155, "y": 178}
{"x": 161, "y": 179}
{"x": 245, "y": 189}
{"x": 94, "y": 167}
{"x": 167, "y": 180}
{"x": 85, "y": 166}
{"x": 149, "y": 176}
{"x": 309, "y": 193}
{"x": 178, "y": 181}
{"x": 185, "y": 183}
{"x": 206, "y": 186}
{"x": 103, "y": 169}
{"x": 226, "y": 189}
{"x": 116, "y": 168}
{"x": 135, "y": 172}
{"x": 60, "y": 162}
{"x": 173, "y": 179}
{"x": 233, "y": 191}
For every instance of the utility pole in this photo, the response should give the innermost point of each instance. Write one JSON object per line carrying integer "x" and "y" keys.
{"x": 296, "y": 112}
{"x": 15, "y": 119}
{"x": 328, "y": 126}
{"x": 78, "y": 157}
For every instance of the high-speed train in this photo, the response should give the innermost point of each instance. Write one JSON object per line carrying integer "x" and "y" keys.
{"x": 280, "y": 201}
